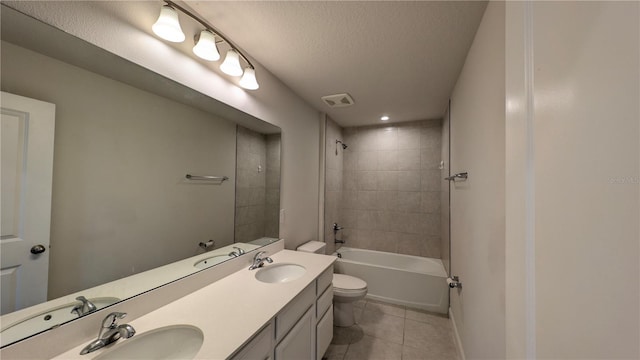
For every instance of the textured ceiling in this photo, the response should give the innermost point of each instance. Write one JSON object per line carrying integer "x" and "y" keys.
{"x": 400, "y": 58}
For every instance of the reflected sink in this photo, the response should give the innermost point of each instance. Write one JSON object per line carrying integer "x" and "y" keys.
{"x": 205, "y": 263}
{"x": 170, "y": 342}
{"x": 280, "y": 273}
{"x": 46, "y": 319}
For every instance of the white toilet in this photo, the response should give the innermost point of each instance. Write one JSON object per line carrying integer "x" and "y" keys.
{"x": 346, "y": 289}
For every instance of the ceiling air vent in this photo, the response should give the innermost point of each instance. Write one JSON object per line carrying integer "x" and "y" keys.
{"x": 338, "y": 100}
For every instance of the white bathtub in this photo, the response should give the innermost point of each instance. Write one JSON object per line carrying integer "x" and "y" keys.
{"x": 413, "y": 281}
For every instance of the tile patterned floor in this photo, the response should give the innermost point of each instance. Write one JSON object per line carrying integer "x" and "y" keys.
{"x": 391, "y": 332}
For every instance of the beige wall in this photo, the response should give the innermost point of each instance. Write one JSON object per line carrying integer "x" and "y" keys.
{"x": 119, "y": 203}
{"x": 123, "y": 28}
{"x": 391, "y": 191}
{"x": 477, "y": 205}
{"x": 583, "y": 148}
{"x": 567, "y": 153}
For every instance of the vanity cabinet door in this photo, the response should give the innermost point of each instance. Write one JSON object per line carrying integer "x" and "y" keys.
{"x": 258, "y": 348}
{"x": 299, "y": 343}
{"x": 324, "y": 332}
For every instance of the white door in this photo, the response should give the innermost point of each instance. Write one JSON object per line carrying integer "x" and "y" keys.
{"x": 27, "y": 166}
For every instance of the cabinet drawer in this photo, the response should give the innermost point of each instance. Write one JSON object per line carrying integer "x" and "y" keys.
{"x": 324, "y": 333}
{"x": 258, "y": 348}
{"x": 324, "y": 280}
{"x": 324, "y": 301}
{"x": 294, "y": 310}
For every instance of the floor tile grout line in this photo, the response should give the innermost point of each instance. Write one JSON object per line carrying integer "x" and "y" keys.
{"x": 430, "y": 319}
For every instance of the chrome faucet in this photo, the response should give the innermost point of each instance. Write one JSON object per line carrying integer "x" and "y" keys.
{"x": 237, "y": 253}
{"x": 337, "y": 228}
{"x": 258, "y": 261}
{"x": 84, "y": 307}
{"x": 110, "y": 332}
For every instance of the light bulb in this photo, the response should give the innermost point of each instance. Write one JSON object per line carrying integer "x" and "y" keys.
{"x": 231, "y": 64}
{"x": 384, "y": 118}
{"x": 248, "y": 80}
{"x": 205, "y": 46}
{"x": 168, "y": 25}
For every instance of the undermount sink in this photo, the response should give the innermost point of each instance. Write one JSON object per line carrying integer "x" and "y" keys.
{"x": 170, "y": 342}
{"x": 47, "y": 319}
{"x": 280, "y": 273}
{"x": 205, "y": 263}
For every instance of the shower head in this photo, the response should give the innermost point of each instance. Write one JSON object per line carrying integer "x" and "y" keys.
{"x": 344, "y": 146}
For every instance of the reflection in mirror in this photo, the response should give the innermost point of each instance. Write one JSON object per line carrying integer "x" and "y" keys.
{"x": 257, "y": 185}
{"x": 124, "y": 218}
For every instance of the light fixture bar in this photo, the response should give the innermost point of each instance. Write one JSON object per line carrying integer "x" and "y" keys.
{"x": 210, "y": 28}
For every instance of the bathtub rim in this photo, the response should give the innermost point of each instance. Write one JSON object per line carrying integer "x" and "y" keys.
{"x": 443, "y": 274}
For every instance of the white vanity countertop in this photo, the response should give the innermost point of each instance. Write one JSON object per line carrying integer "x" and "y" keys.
{"x": 122, "y": 288}
{"x": 229, "y": 311}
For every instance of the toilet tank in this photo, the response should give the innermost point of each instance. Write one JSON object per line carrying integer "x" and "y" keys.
{"x": 317, "y": 247}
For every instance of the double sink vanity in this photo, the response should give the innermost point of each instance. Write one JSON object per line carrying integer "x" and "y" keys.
{"x": 281, "y": 310}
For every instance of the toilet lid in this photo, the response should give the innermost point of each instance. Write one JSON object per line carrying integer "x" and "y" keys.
{"x": 347, "y": 282}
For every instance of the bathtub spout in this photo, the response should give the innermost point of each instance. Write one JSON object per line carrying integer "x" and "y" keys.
{"x": 338, "y": 241}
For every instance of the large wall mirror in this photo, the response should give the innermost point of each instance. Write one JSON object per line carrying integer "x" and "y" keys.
{"x": 116, "y": 180}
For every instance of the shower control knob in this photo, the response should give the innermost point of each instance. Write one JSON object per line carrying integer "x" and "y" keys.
{"x": 38, "y": 249}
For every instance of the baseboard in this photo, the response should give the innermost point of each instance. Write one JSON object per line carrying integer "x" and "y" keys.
{"x": 456, "y": 337}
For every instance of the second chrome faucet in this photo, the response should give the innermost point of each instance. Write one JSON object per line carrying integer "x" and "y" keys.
{"x": 110, "y": 332}
{"x": 258, "y": 260}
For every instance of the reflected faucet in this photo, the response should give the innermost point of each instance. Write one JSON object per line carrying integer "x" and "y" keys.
{"x": 84, "y": 307}
{"x": 258, "y": 261}
{"x": 237, "y": 253}
{"x": 110, "y": 332}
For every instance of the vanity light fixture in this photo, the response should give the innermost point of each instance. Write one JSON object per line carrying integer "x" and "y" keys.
{"x": 231, "y": 64}
{"x": 205, "y": 47}
{"x": 168, "y": 27}
{"x": 248, "y": 80}
{"x": 385, "y": 118}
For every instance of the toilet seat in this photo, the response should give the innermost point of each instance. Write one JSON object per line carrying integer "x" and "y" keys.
{"x": 346, "y": 282}
{"x": 348, "y": 286}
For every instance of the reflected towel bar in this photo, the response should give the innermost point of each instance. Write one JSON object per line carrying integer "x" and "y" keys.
{"x": 462, "y": 176}
{"x": 206, "y": 177}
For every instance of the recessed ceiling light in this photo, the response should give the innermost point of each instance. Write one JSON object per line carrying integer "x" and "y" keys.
{"x": 384, "y": 118}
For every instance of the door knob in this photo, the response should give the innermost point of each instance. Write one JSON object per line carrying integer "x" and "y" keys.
{"x": 38, "y": 249}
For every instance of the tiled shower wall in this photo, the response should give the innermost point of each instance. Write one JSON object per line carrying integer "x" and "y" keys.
{"x": 391, "y": 188}
{"x": 272, "y": 190}
{"x": 334, "y": 156}
{"x": 257, "y": 185}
